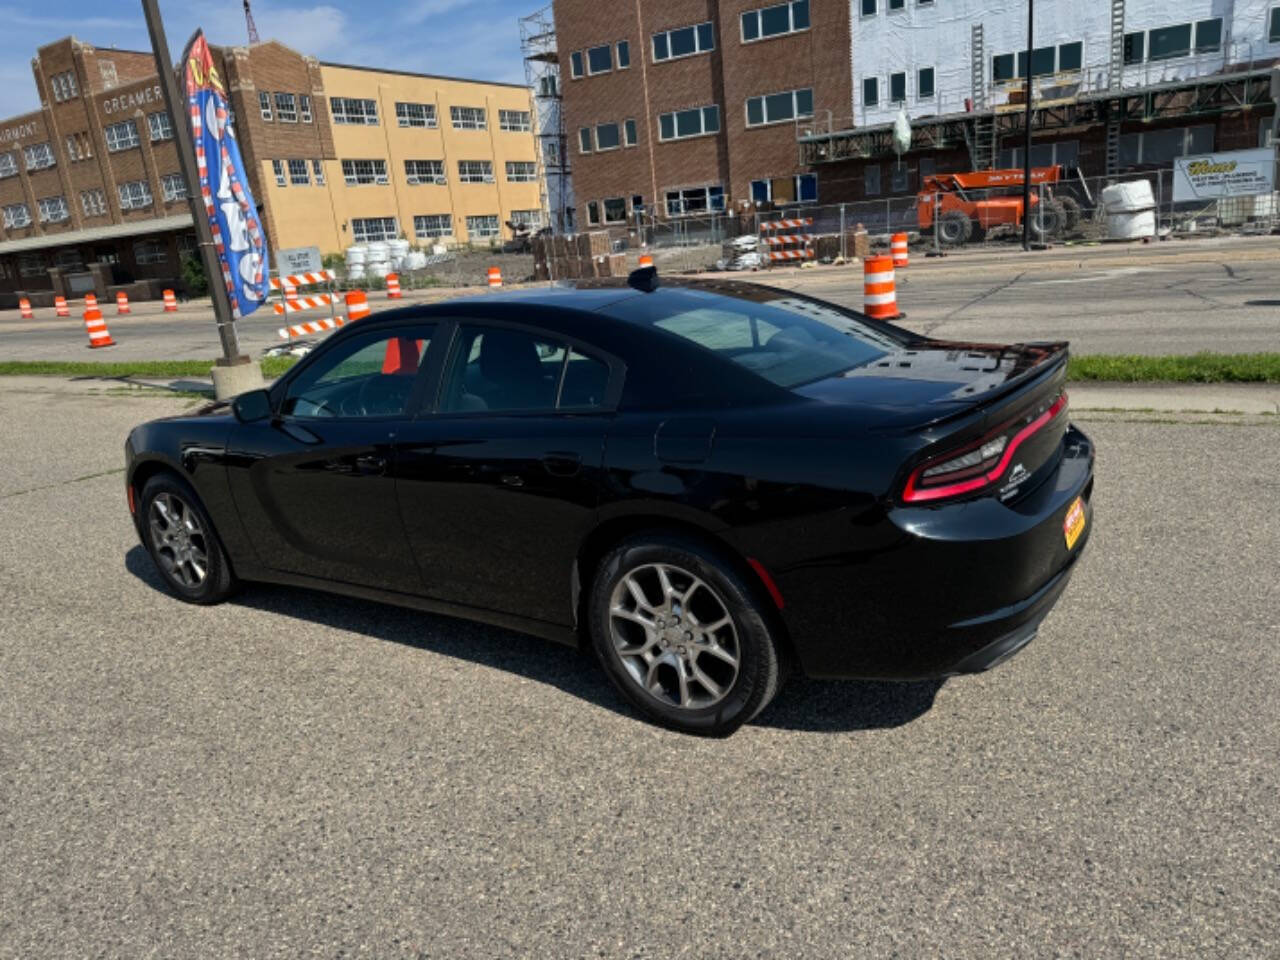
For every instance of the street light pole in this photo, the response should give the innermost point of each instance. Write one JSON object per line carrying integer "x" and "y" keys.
{"x": 231, "y": 355}
{"x": 1026, "y": 141}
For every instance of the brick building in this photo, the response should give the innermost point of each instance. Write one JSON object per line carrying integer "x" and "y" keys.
{"x": 687, "y": 106}
{"x": 93, "y": 198}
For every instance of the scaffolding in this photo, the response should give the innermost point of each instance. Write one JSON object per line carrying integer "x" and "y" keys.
{"x": 542, "y": 74}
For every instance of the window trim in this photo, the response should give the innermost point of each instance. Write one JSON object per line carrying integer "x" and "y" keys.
{"x": 763, "y": 98}
{"x": 756, "y": 11}
{"x": 698, "y": 51}
{"x": 587, "y": 59}
{"x": 595, "y": 134}
{"x": 406, "y": 121}
{"x": 933, "y": 84}
{"x": 702, "y": 109}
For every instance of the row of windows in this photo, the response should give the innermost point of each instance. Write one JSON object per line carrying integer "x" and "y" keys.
{"x": 145, "y": 252}
{"x": 1064, "y": 58}
{"x": 1178, "y": 40}
{"x": 357, "y": 111}
{"x": 64, "y": 86}
{"x": 134, "y": 195}
{"x": 284, "y": 107}
{"x": 124, "y": 135}
{"x": 296, "y": 172}
{"x": 898, "y": 87}
{"x": 677, "y": 42}
{"x": 433, "y": 226}
{"x": 607, "y": 136}
{"x": 356, "y": 173}
{"x": 871, "y": 7}
{"x": 119, "y": 136}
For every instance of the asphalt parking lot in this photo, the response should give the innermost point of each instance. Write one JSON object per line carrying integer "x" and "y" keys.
{"x": 295, "y": 774}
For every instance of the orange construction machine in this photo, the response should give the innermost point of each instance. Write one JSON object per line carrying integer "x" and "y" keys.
{"x": 965, "y": 207}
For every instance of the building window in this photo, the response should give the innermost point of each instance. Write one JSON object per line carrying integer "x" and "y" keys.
{"x": 317, "y": 171}
{"x": 689, "y": 123}
{"x": 304, "y": 105}
{"x": 467, "y": 118}
{"x": 483, "y": 226}
{"x": 160, "y": 126}
{"x": 527, "y": 218}
{"x": 1002, "y": 68}
{"x": 615, "y": 210}
{"x": 364, "y": 172}
{"x": 16, "y": 215}
{"x": 514, "y": 121}
{"x": 1064, "y": 152}
{"x": 599, "y": 59}
{"x": 1134, "y": 47}
{"x": 433, "y": 226}
{"x": 277, "y": 167}
{"x": 521, "y": 171}
{"x": 121, "y": 136}
{"x": 354, "y": 111}
{"x": 149, "y": 252}
{"x": 475, "y": 171}
{"x": 264, "y": 105}
{"x": 800, "y": 188}
{"x": 607, "y": 136}
{"x": 416, "y": 115}
{"x": 624, "y": 54}
{"x": 899, "y": 178}
{"x": 93, "y": 203}
{"x": 683, "y": 42}
{"x": 630, "y": 133}
{"x": 775, "y": 21}
{"x": 695, "y": 200}
{"x": 286, "y": 108}
{"x": 418, "y": 172}
{"x": 779, "y": 107}
{"x": 174, "y": 187}
{"x": 593, "y": 213}
{"x": 871, "y": 180}
{"x": 897, "y": 87}
{"x": 575, "y": 64}
{"x": 64, "y": 86}
{"x": 1165, "y": 43}
{"x": 1209, "y": 35}
{"x": 374, "y": 229}
{"x": 31, "y": 264}
{"x": 39, "y": 156}
{"x": 1273, "y": 25}
{"x": 871, "y": 91}
{"x": 897, "y": 4}
{"x": 1159, "y": 147}
{"x": 53, "y": 209}
{"x": 298, "y": 175}
{"x": 134, "y": 195}
{"x": 584, "y": 140}
{"x": 868, "y": 8}
{"x": 924, "y": 83}
{"x": 8, "y": 165}
{"x": 73, "y": 149}
{"x": 1042, "y": 60}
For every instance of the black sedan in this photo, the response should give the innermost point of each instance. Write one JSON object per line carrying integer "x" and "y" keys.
{"x": 708, "y": 483}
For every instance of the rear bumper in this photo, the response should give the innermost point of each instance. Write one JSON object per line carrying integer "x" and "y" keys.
{"x": 950, "y": 589}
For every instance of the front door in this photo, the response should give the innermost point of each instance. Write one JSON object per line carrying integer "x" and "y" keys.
{"x": 499, "y": 486}
{"x": 315, "y": 484}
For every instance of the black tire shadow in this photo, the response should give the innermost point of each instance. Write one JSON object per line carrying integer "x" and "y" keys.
{"x": 804, "y": 705}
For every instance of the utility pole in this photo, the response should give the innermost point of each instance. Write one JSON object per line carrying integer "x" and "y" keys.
{"x": 231, "y": 355}
{"x": 1026, "y": 141}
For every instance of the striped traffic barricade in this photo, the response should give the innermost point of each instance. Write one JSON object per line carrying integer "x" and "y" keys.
{"x": 879, "y": 295}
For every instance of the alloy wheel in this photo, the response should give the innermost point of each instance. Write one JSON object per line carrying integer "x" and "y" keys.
{"x": 674, "y": 636}
{"x": 179, "y": 540}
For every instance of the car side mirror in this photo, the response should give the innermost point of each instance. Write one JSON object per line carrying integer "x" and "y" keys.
{"x": 252, "y": 406}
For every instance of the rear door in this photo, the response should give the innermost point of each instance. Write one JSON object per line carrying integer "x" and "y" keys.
{"x": 315, "y": 483}
{"x": 499, "y": 483}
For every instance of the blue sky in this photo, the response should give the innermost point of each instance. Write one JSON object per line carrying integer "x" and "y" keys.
{"x": 467, "y": 38}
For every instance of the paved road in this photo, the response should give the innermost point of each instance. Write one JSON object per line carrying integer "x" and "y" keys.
{"x": 294, "y": 774}
{"x": 1170, "y": 298}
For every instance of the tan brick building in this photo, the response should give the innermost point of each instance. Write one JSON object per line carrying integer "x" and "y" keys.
{"x": 686, "y": 106}
{"x": 92, "y": 194}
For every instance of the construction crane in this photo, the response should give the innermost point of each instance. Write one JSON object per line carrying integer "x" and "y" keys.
{"x": 253, "y": 27}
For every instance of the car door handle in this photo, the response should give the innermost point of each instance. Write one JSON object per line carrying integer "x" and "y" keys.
{"x": 562, "y": 464}
{"x": 371, "y": 465}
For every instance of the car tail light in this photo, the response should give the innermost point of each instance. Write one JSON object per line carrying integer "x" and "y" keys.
{"x": 978, "y": 465}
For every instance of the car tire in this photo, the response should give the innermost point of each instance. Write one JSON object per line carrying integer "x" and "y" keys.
{"x": 725, "y": 616}
{"x": 182, "y": 541}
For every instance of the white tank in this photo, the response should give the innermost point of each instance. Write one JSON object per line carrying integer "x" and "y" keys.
{"x": 355, "y": 271}
{"x": 379, "y": 269}
{"x": 1128, "y": 197}
{"x": 398, "y": 248}
{"x": 357, "y": 254}
{"x": 1131, "y": 225}
{"x": 378, "y": 252}
{"x": 415, "y": 261}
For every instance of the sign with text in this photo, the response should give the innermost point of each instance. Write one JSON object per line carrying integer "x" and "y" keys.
{"x": 224, "y": 188}
{"x": 1239, "y": 173}
{"x": 298, "y": 260}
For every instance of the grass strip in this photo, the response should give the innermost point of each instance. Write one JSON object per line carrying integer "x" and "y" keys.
{"x": 1112, "y": 368}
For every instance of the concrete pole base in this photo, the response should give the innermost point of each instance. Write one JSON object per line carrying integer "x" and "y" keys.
{"x": 231, "y": 381}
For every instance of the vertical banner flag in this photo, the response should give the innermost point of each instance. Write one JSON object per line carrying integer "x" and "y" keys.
{"x": 228, "y": 202}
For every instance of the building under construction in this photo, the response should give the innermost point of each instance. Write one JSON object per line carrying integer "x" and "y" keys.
{"x": 542, "y": 72}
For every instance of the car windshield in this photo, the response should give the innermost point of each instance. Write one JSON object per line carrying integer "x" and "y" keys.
{"x": 788, "y": 340}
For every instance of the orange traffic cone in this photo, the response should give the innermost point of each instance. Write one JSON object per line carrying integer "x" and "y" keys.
{"x": 60, "y": 306}
{"x": 97, "y": 328}
{"x": 170, "y": 302}
{"x": 25, "y": 306}
{"x": 357, "y": 305}
{"x": 122, "y": 303}
{"x": 898, "y": 245}
{"x": 646, "y": 260}
{"x": 879, "y": 296}
{"x": 90, "y": 301}
{"x": 393, "y": 286}
{"x": 495, "y": 278}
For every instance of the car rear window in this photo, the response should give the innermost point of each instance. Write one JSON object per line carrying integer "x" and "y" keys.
{"x": 787, "y": 340}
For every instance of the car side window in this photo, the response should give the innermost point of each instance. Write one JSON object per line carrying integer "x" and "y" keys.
{"x": 501, "y": 370}
{"x": 367, "y": 376}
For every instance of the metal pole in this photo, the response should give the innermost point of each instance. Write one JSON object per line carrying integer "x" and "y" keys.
{"x": 1026, "y": 140}
{"x": 231, "y": 355}
{"x": 844, "y": 237}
